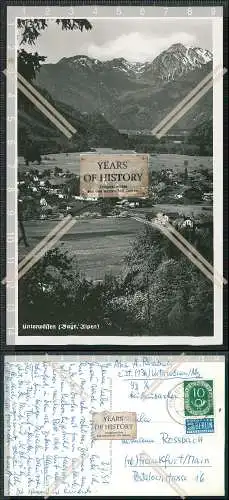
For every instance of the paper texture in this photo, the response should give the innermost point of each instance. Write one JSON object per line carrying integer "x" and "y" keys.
{"x": 49, "y": 407}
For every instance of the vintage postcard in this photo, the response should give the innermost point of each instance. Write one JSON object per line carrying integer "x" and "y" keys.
{"x": 128, "y": 426}
{"x": 115, "y": 175}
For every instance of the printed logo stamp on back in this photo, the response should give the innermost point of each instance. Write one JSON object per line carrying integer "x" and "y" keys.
{"x": 114, "y": 425}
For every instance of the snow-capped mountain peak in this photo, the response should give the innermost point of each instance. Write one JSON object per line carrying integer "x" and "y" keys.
{"x": 178, "y": 59}
{"x": 168, "y": 65}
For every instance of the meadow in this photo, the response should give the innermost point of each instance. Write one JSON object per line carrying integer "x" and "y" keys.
{"x": 101, "y": 245}
{"x": 157, "y": 162}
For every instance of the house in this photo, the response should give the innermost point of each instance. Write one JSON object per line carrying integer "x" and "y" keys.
{"x": 160, "y": 187}
{"x": 207, "y": 196}
{"x": 169, "y": 172}
{"x": 57, "y": 182}
{"x": 162, "y": 218}
{"x": 132, "y": 204}
{"x": 43, "y": 202}
{"x": 53, "y": 190}
{"x": 121, "y": 203}
{"x": 187, "y": 223}
{"x": 190, "y": 193}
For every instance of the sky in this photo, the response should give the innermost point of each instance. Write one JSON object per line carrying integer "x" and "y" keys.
{"x": 136, "y": 40}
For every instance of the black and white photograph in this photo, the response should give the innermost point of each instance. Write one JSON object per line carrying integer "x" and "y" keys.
{"x": 116, "y": 271}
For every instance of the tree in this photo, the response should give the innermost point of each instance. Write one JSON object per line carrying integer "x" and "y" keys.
{"x": 28, "y": 66}
{"x": 55, "y": 290}
{"x": 57, "y": 170}
{"x": 30, "y": 63}
{"x": 162, "y": 292}
{"x": 106, "y": 206}
{"x": 52, "y": 286}
{"x": 159, "y": 292}
{"x": 72, "y": 188}
{"x": 185, "y": 171}
{"x": 21, "y": 225}
{"x": 202, "y": 136}
{"x": 185, "y": 175}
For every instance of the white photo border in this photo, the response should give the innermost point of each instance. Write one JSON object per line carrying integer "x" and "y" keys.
{"x": 100, "y": 12}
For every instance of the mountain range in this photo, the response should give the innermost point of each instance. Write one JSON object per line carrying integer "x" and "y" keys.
{"x": 131, "y": 96}
{"x": 92, "y": 130}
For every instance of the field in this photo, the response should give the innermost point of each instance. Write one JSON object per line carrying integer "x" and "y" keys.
{"x": 156, "y": 162}
{"x": 100, "y": 245}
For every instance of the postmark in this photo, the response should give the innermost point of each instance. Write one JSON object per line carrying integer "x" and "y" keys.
{"x": 198, "y": 398}
{"x": 199, "y": 425}
{"x": 175, "y": 403}
{"x": 114, "y": 425}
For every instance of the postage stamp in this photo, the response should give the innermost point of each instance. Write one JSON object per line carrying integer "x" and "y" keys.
{"x": 198, "y": 398}
{"x": 102, "y": 137}
{"x": 114, "y": 425}
{"x": 199, "y": 425}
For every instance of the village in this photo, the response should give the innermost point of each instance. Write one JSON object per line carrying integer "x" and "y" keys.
{"x": 53, "y": 193}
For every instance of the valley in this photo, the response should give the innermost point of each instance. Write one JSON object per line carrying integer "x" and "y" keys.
{"x": 131, "y": 95}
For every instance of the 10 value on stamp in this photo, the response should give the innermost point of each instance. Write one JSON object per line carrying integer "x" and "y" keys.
{"x": 198, "y": 398}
